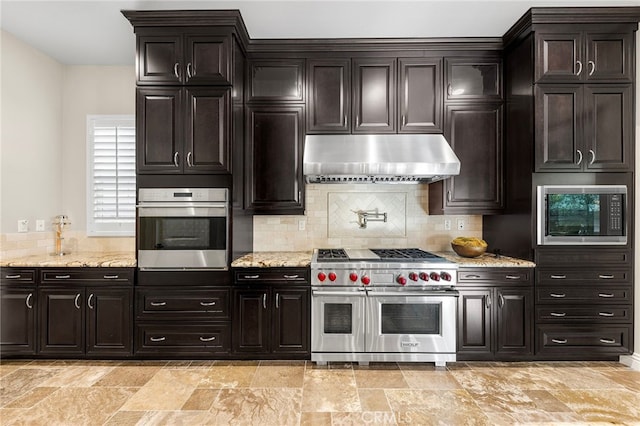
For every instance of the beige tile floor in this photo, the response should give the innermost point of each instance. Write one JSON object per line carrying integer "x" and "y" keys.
{"x": 302, "y": 393}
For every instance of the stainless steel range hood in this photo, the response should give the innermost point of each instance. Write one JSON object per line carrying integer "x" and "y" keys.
{"x": 393, "y": 158}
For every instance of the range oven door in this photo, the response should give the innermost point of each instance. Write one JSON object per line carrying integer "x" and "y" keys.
{"x": 337, "y": 319}
{"x": 180, "y": 236}
{"x": 405, "y": 321}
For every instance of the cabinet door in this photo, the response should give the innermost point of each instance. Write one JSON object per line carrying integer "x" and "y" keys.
{"x": 420, "y": 97}
{"x": 474, "y": 321}
{"x": 159, "y": 59}
{"x": 475, "y": 134}
{"x": 159, "y": 130}
{"x": 251, "y": 321}
{"x": 608, "y": 126}
{"x": 473, "y": 79}
{"x": 276, "y": 80}
{"x": 329, "y": 92}
{"x": 559, "y": 57}
{"x": 558, "y": 131}
{"x": 207, "y": 59}
{"x": 275, "y": 158}
{"x": 291, "y": 319}
{"x": 374, "y": 103}
{"x": 207, "y": 131}
{"x": 609, "y": 57}
{"x": 514, "y": 321}
{"x": 61, "y": 321}
{"x": 17, "y": 321}
{"x": 109, "y": 321}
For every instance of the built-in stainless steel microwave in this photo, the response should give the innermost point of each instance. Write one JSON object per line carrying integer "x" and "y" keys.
{"x": 582, "y": 214}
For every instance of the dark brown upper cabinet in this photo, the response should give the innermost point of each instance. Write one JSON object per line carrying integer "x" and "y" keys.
{"x": 374, "y": 95}
{"x": 276, "y": 80}
{"x": 583, "y": 127}
{"x": 420, "y": 95}
{"x": 473, "y": 79}
{"x": 175, "y": 57}
{"x": 183, "y": 130}
{"x": 329, "y": 96}
{"x": 574, "y": 53}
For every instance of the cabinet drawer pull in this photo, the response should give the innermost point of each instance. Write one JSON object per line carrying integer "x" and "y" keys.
{"x": 579, "y": 63}
{"x": 606, "y": 314}
{"x": 513, "y": 277}
{"x": 158, "y": 303}
{"x": 606, "y": 295}
{"x": 472, "y": 277}
{"x": 62, "y": 277}
{"x": 110, "y": 277}
{"x": 207, "y": 303}
{"x": 290, "y": 277}
{"x": 28, "y": 301}
{"x": 76, "y": 301}
{"x": 607, "y": 341}
{"x": 558, "y": 277}
{"x": 207, "y": 339}
{"x": 559, "y": 341}
{"x": 557, "y": 295}
{"x": 558, "y": 314}
{"x": 251, "y": 277}
{"x": 12, "y": 277}
{"x": 606, "y": 277}
{"x": 89, "y": 301}
{"x": 158, "y": 339}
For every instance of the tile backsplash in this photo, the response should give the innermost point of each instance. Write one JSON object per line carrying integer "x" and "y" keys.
{"x": 330, "y": 220}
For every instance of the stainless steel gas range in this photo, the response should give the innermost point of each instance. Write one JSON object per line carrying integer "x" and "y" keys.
{"x": 382, "y": 305}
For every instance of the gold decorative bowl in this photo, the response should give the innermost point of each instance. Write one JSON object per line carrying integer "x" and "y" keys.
{"x": 469, "y": 246}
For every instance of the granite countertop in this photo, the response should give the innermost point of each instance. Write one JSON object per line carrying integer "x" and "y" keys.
{"x": 273, "y": 259}
{"x": 486, "y": 261}
{"x": 78, "y": 260}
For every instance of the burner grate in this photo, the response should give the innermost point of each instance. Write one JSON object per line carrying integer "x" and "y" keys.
{"x": 332, "y": 254}
{"x": 404, "y": 254}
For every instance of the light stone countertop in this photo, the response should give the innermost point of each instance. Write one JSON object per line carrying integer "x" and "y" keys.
{"x": 486, "y": 261}
{"x": 273, "y": 259}
{"x": 75, "y": 260}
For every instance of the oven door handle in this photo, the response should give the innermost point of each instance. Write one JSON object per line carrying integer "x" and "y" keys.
{"x": 360, "y": 293}
{"x": 410, "y": 293}
{"x": 182, "y": 210}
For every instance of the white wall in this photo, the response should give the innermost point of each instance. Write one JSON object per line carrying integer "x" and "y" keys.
{"x": 31, "y": 145}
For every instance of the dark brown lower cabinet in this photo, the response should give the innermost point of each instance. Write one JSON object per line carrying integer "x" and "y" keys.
{"x": 269, "y": 321}
{"x": 495, "y": 321}
{"x": 17, "y": 320}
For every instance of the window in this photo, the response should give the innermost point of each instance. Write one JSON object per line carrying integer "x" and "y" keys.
{"x": 111, "y": 172}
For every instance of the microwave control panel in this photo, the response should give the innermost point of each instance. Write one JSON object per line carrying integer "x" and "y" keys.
{"x": 615, "y": 213}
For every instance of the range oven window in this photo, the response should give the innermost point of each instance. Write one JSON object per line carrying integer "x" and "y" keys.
{"x": 338, "y": 318}
{"x": 182, "y": 233}
{"x": 411, "y": 318}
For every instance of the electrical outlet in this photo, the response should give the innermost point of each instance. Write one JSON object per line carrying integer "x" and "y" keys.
{"x": 23, "y": 225}
{"x": 447, "y": 224}
{"x": 40, "y": 225}
{"x": 302, "y": 224}
{"x": 460, "y": 224}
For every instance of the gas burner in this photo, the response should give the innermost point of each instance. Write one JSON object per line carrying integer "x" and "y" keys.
{"x": 410, "y": 254}
{"x": 332, "y": 254}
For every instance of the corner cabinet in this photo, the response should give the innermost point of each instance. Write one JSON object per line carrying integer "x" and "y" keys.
{"x": 271, "y": 314}
{"x": 183, "y": 130}
{"x": 495, "y": 314}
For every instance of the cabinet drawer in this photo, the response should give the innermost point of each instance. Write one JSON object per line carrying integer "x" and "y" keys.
{"x": 91, "y": 275}
{"x": 205, "y": 304}
{"x": 596, "y": 340}
{"x": 570, "y": 257}
{"x": 495, "y": 276}
{"x": 18, "y": 276}
{"x": 297, "y": 275}
{"x": 193, "y": 337}
{"x": 580, "y": 277}
{"x": 609, "y": 314}
{"x": 600, "y": 294}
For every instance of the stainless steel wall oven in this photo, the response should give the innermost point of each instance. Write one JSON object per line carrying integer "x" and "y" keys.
{"x": 182, "y": 228}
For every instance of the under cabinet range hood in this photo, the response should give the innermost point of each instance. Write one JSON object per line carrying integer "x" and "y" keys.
{"x": 392, "y": 158}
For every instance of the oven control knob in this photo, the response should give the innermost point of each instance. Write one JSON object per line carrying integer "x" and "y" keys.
{"x": 353, "y": 277}
{"x": 424, "y": 276}
{"x": 365, "y": 280}
{"x": 322, "y": 276}
{"x": 413, "y": 276}
{"x": 332, "y": 276}
{"x": 401, "y": 280}
{"x": 434, "y": 276}
{"x": 445, "y": 276}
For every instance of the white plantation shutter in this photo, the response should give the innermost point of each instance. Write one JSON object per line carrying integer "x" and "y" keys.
{"x": 111, "y": 183}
